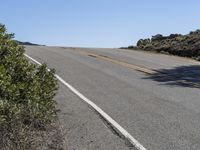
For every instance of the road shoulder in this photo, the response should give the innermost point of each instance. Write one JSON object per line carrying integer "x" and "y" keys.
{"x": 81, "y": 126}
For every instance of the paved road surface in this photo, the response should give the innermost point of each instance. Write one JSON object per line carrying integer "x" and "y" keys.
{"x": 156, "y": 98}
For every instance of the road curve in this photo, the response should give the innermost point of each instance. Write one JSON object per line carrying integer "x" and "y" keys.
{"x": 156, "y": 98}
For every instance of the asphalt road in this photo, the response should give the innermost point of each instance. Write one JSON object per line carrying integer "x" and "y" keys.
{"x": 155, "y": 97}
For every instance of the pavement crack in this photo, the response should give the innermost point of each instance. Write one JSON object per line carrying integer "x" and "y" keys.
{"x": 114, "y": 130}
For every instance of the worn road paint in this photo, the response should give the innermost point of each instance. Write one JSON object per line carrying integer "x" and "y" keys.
{"x": 134, "y": 67}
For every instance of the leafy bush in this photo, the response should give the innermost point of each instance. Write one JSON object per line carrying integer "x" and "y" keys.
{"x": 157, "y": 37}
{"x": 26, "y": 93}
{"x": 143, "y": 42}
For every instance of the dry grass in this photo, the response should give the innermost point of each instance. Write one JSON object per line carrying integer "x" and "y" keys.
{"x": 17, "y": 136}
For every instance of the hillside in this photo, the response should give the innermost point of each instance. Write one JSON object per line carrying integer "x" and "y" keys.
{"x": 28, "y": 43}
{"x": 176, "y": 44}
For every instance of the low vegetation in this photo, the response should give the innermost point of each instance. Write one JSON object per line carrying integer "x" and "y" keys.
{"x": 26, "y": 95}
{"x": 176, "y": 44}
{"x": 28, "y": 43}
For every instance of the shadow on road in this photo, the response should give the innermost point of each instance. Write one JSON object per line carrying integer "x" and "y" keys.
{"x": 184, "y": 76}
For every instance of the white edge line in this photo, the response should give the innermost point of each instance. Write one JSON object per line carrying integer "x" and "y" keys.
{"x": 127, "y": 135}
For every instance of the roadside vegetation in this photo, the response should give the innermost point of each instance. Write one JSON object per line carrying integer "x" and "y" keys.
{"x": 27, "y": 43}
{"x": 26, "y": 96}
{"x": 175, "y": 44}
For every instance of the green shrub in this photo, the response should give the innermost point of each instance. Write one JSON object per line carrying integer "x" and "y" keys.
{"x": 130, "y": 47}
{"x": 143, "y": 42}
{"x": 175, "y": 44}
{"x": 26, "y": 91}
{"x": 157, "y": 37}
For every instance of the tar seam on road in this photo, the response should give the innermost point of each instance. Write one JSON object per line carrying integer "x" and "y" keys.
{"x": 111, "y": 121}
{"x": 116, "y": 61}
{"x": 135, "y": 67}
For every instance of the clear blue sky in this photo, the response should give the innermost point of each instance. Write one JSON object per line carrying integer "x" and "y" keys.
{"x": 97, "y": 23}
